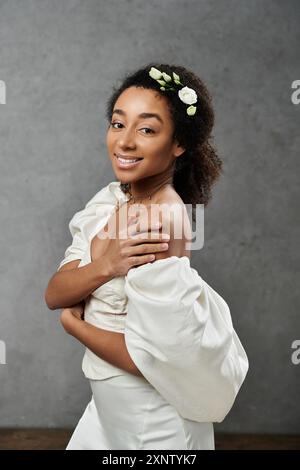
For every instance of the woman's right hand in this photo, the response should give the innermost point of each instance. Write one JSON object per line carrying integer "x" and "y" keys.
{"x": 132, "y": 248}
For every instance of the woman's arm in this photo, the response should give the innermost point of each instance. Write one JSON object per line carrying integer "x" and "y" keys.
{"x": 71, "y": 284}
{"x": 108, "y": 345}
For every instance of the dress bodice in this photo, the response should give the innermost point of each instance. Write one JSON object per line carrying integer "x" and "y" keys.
{"x": 177, "y": 329}
{"x": 105, "y": 307}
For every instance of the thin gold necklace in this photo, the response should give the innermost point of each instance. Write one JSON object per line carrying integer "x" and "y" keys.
{"x": 134, "y": 199}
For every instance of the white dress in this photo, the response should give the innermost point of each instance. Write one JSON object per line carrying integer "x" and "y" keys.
{"x": 179, "y": 333}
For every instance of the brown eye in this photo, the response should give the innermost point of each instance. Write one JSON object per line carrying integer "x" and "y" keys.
{"x": 151, "y": 131}
{"x": 113, "y": 123}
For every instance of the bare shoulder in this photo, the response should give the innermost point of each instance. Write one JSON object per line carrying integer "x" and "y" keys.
{"x": 175, "y": 222}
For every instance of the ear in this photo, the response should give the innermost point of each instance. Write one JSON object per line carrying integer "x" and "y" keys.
{"x": 178, "y": 149}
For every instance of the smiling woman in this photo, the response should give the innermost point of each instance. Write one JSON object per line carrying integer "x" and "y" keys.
{"x": 139, "y": 142}
{"x": 163, "y": 359}
{"x": 149, "y": 119}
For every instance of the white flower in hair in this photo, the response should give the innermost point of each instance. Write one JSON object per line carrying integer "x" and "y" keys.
{"x": 167, "y": 77}
{"x": 191, "y": 110}
{"x": 155, "y": 73}
{"x": 186, "y": 94}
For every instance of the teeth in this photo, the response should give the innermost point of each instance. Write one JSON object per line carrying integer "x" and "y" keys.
{"x": 122, "y": 160}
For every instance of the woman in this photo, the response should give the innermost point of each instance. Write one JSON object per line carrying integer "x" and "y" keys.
{"x": 162, "y": 357}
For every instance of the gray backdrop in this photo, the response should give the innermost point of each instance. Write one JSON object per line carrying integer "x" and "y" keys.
{"x": 59, "y": 60}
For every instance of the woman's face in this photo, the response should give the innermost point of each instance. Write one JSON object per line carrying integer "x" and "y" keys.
{"x": 135, "y": 132}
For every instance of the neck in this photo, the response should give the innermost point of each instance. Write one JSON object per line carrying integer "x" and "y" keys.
{"x": 146, "y": 187}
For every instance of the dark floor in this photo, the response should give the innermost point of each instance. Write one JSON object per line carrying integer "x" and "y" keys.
{"x": 42, "y": 439}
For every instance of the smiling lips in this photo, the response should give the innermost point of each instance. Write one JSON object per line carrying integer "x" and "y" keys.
{"x": 127, "y": 162}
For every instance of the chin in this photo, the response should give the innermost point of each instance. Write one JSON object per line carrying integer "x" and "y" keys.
{"x": 123, "y": 179}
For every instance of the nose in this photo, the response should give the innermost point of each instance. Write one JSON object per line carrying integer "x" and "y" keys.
{"x": 126, "y": 138}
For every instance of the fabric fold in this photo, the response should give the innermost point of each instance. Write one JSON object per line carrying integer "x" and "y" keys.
{"x": 179, "y": 333}
{"x": 95, "y": 214}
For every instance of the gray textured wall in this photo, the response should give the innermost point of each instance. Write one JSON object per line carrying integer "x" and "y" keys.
{"x": 58, "y": 60}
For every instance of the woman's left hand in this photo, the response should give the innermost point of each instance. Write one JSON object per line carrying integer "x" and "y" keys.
{"x": 78, "y": 310}
{"x": 69, "y": 314}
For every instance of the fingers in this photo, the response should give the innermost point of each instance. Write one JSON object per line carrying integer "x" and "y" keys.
{"x": 141, "y": 230}
{"x": 138, "y": 260}
{"x": 148, "y": 248}
{"x": 142, "y": 226}
{"x": 149, "y": 238}
{"x": 144, "y": 219}
{"x": 132, "y": 219}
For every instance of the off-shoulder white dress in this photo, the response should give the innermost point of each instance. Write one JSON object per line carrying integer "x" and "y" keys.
{"x": 179, "y": 333}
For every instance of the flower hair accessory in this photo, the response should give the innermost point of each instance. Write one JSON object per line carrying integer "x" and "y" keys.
{"x": 186, "y": 94}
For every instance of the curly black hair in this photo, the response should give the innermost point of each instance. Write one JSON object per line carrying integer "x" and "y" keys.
{"x": 199, "y": 166}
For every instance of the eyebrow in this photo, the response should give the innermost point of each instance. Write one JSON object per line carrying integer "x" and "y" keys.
{"x": 142, "y": 115}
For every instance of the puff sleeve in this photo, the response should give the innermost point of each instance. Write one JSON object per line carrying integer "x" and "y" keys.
{"x": 179, "y": 333}
{"x": 80, "y": 227}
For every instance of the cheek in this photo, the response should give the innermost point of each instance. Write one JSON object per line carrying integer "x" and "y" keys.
{"x": 108, "y": 137}
{"x": 156, "y": 146}
{"x": 110, "y": 141}
{"x": 160, "y": 151}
